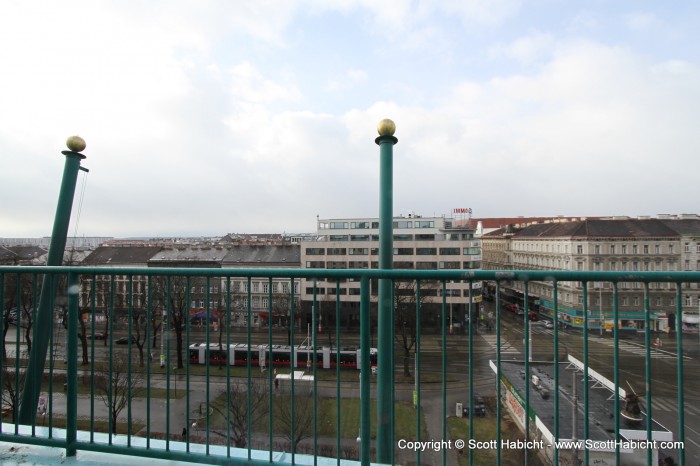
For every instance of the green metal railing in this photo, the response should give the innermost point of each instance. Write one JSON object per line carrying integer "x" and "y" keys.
{"x": 220, "y": 404}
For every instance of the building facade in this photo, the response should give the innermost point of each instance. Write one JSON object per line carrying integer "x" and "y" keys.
{"x": 419, "y": 243}
{"x": 617, "y": 244}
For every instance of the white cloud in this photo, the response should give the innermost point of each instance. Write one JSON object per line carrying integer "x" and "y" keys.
{"x": 640, "y": 21}
{"x": 527, "y": 49}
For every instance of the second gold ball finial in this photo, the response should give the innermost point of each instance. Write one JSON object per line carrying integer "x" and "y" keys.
{"x": 386, "y": 127}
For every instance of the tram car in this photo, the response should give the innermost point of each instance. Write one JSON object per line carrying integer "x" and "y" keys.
{"x": 281, "y": 356}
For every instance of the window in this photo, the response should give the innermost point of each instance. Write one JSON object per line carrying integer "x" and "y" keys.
{"x": 426, "y": 265}
{"x": 357, "y": 251}
{"x": 285, "y": 287}
{"x": 403, "y": 237}
{"x": 449, "y": 265}
{"x": 256, "y": 287}
{"x": 635, "y": 301}
{"x": 624, "y": 249}
{"x": 336, "y": 265}
{"x": 315, "y": 251}
{"x": 338, "y": 237}
{"x": 403, "y": 224}
{"x": 424, "y": 224}
{"x": 336, "y": 251}
{"x": 612, "y": 249}
{"x": 579, "y": 249}
{"x": 425, "y": 237}
{"x": 426, "y": 251}
{"x": 596, "y": 249}
{"x": 471, "y": 251}
{"x": 403, "y": 251}
{"x": 265, "y": 287}
{"x": 687, "y": 247}
{"x": 265, "y": 302}
{"x": 357, "y": 264}
{"x": 359, "y": 225}
{"x": 375, "y": 225}
{"x": 449, "y": 251}
{"x": 403, "y": 265}
{"x": 359, "y": 237}
{"x": 338, "y": 225}
{"x": 646, "y": 249}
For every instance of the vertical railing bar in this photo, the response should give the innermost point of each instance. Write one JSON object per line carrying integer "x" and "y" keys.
{"x": 292, "y": 365}
{"x": 2, "y": 330}
{"x": 555, "y": 286}
{"x": 230, "y": 359}
{"x": 92, "y": 360}
{"x": 443, "y": 334}
{"x": 166, "y": 357}
{"x": 248, "y": 372}
{"x": 72, "y": 370}
{"x": 130, "y": 307}
{"x": 147, "y": 345}
{"x": 52, "y": 344}
{"x": 585, "y": 370}
{"x": 18, "y": 319}
{"x": 207, "y": 307}
{"x": 365, "y": 404}
{"x": 188, "y": 296}
{"x": 680, "y": 378}
{"x": 270, "y": 368}
{"x": 314, "y": 310}
{"x": 528, "y": 357}
{"x": 470, "y": 358}
{"x": 35, "y": 329}
{"x": 337, "y": 368}
{"x": 498, "y": 368}
{"x": 616, "y": 368}
{"x": 110, "y": 394}
{"x": 417, "y": 370}
{"x": 392, "y": 375}
{"x": 647, "y": 375}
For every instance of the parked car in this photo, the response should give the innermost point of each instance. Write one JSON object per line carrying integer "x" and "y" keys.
{"x": 125, "y": 340}
{"x": 549, "y": 324}
{"x": 532, "y": 315}
{"x": 479, "y": 406}
{"x": 511, "y": 307}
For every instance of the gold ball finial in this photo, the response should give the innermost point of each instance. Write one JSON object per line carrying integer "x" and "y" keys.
{"x": 386, "y": 127}
{"x": 76, "y": 143}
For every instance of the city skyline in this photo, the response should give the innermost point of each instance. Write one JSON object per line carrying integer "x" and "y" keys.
{"x": 215, "y": 117}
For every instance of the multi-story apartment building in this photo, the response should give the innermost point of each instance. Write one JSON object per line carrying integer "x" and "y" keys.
{"x": 270, "y": 299}
{"x": 618, "y": 244}
{"x": 419, "y": 243}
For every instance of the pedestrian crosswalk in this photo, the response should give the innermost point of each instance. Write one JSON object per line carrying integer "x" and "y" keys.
{"x": 636, "y": 348}
{"x": 671, "y": 405}
{"x": 506, "y": 347}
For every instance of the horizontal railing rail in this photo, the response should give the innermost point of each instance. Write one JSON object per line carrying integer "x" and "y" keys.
{"x": 250, "y": 374}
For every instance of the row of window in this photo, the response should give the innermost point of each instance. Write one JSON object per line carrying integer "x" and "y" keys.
{"x": 454, "y": 251}
{"x": 447, "y": 265}
{"x": 375, "y": 225}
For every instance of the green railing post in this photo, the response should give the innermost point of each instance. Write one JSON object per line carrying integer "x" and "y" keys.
{"x": 385, "y": 310}
{"x": 44, "y": 318}
{"x": 72, "y": 370}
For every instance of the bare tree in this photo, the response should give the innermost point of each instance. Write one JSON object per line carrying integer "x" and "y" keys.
{"x": 240, "y": 419}
{"x": 405, "y": 301}
{"x": 303, "y": 418}
{"x": 170, "y": 293}
{"x": 115, "y": 388}
{"x": 11, "y": 392}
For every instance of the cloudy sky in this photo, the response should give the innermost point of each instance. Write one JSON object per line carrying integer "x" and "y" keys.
{"x": 208, "y": 117}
